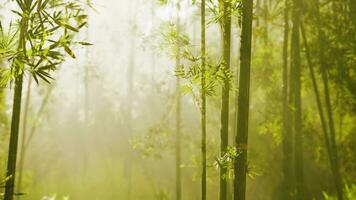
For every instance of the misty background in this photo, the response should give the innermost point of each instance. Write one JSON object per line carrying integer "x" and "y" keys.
{"x": 96, "y": 136}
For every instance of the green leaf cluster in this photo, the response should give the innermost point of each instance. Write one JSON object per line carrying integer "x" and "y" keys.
{"x": 50, "y": 29}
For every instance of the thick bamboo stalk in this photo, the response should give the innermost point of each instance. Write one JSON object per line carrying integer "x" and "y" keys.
{"x": 240, "y": 168}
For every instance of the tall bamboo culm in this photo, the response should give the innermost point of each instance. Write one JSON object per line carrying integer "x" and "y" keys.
{"x": 15, "y": 120}
{"x": 178, "y": 115}
{"x": 224, "y": 117}
{"x": 240, "y": 167}
{"x": 203, "y": 100}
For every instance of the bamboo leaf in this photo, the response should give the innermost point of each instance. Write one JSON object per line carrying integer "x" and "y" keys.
{"x": 67, "y": 26}
{"x": 17, "y": 13}
{"x": 85, "y": 43}
{"x": 69, "y": 51}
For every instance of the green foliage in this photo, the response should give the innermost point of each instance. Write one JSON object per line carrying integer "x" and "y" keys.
{"x": 51, "y": 26}
{"x": 227, "y": 161}
{"x": 349, "y": 193}
{"x": 215, "y": 75}
{"x": 273, "y": 128}
{"x": 338, "y": 27}
{"x": 217, "y": 13}
{"x": 178, "y": 44}
{"x": 8, "y": 40}
{"x": 154, "y": 143}
{"x": 172, "y": 41}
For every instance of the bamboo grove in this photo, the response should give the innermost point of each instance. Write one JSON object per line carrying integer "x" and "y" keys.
{"x": 178, "y": 99}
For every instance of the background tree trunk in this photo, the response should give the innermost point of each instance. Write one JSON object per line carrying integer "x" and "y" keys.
{"x": 130, "y": 99}
{"x": 329, "y": 112}
{"x": 203, "y": 100}
{"x": 178, "y": 115}
{"x": 287, "y": 188}
{"x": 321, "y": 112}
{"x": 297, "y": 107}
